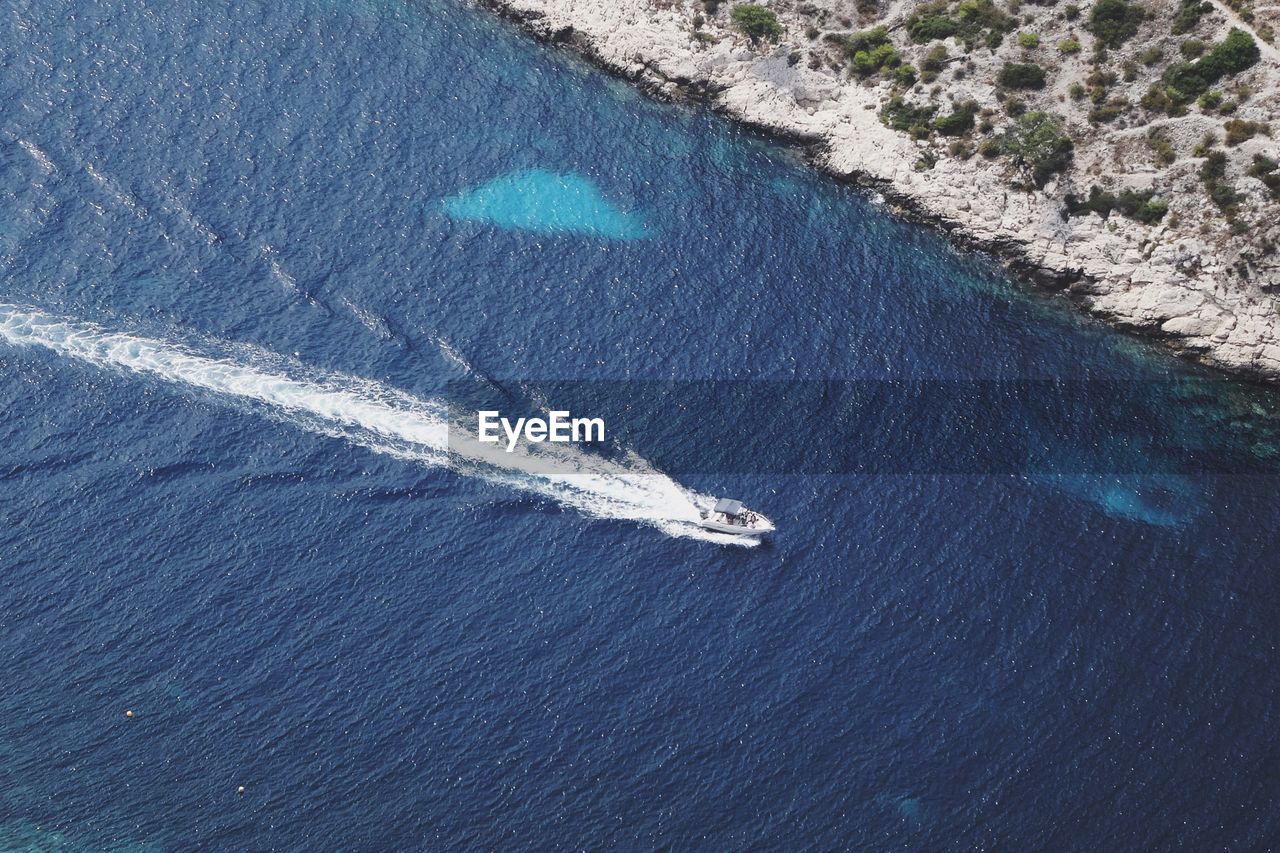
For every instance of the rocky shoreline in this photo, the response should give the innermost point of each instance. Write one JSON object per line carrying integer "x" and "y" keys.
{"x": 1185, "y": 286}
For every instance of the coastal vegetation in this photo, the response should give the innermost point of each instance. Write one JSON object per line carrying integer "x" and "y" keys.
{"x": 758, "y": 23}
{"x": 871, "y": 53}
{"x": 1213, "y": 173}
{"x": 1187, "y": 81}
{"x": 913, "y": 118}
{"x": 1189, "y": 14}
{"x": 970, "y": 22}
{"x": 1266, "y": 170}
{"x": 959, "y": 122}
{"x": 1039, "y": 146}
{"x": 1162, "y": 147}
{"x": 1113, "y": 22}
{"x": 1141, "y": 206}
{"x": 1239, "y": 131}
{"x": 1021, "y": 75}
{"x": 1058, "y": 98}
{"x": 1145, "y": 123}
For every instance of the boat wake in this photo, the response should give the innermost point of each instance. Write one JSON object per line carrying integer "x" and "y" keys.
{"x": 377, "y": 417}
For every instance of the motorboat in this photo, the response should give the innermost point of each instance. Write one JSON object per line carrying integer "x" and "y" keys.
{"x": 730, "y": 516}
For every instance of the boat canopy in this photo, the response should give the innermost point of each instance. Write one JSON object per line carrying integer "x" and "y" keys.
{"x": 728, "y": 507}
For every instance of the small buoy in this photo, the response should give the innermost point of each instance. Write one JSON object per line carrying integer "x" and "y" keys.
{"x": 240, "y": 790}
{"x": 128, "y": 713}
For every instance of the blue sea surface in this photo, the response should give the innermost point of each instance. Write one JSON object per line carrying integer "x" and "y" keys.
{"x": 248, "y": 250}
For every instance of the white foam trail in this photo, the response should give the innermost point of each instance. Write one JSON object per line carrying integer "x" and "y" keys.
{"x": 451, "y": 353}
{"x": 126, "y": 198}
{"x": 378, "y": 417}
{"x": 369, "y": 320}
{"x": 268, "y": 253}
{"x": 41, "y": 158}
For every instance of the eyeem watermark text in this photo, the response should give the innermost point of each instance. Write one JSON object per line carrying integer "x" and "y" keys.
{"x": 559, "y": 427}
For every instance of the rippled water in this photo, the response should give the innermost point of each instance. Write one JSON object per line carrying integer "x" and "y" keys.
{"x": 249, "y": 251}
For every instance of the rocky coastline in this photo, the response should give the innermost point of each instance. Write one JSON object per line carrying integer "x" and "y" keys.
{"x": 1195, "y": 284}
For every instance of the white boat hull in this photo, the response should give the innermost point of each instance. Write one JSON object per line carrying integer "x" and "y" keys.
{"x": 762, "y": 527}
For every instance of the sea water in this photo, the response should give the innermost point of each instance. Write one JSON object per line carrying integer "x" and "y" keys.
{"x": 253, "y": 252}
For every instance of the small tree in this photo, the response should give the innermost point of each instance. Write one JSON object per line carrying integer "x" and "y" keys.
{"x": 1114, "y": 22}
{"x": 1021, "y": 75}
{"x": 756, "y": 22}
{"x": 1039, "y": 146}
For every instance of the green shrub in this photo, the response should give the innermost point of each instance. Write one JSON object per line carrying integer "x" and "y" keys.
{"x": 1162, "y": 147}
{"x": 756, "y": 22}
{"x": 1029, "y": 41}
{"x": 1150, "y": 56}
{"x": 1101, "y": 77}
{"x": 900, "y": 114}
{"x": 1039, "y": 146}
{"x": 933, "y": 63}
{"x": 1239, "y": 130}
{"x": 871, "y": 52}
{"x": 1213, "y": 174}
{"x": 959, "y": 122}
{"x": 1189, "y": 14}
{"x": 1210, "y": 100}
{"x": 1021, "y": 75}
{"x": 1263, "y": 165}
{"x": 928, "y": 159}
{"x": 1187, "y": 81}
{"x": 1113, "y": 22}
{"x": 1071, "y": 12}
{"x": 929, "y": 28}
{"x": 878, "y": 60}
{"x": 1191, "y": 48}
{"x": 931, "y": 22}
{"x": 866, "y": 40}
{"x": 977, "y": 15}
{"x": 1108, "y": 110}
{"x": 1069, "y": 46}
{"x": 1140, "y": 206}
{"x": 1265, "y": 170}
{"x": 1076, "y": 91}
{"x": 1156, "y": 99}
{"x": 969, "y": 21}
{"x": 1150, "y": 211}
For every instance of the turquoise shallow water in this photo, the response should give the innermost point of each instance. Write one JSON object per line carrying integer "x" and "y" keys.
{"x": 250, "y": 251}
{"x": 546, "y": 203}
